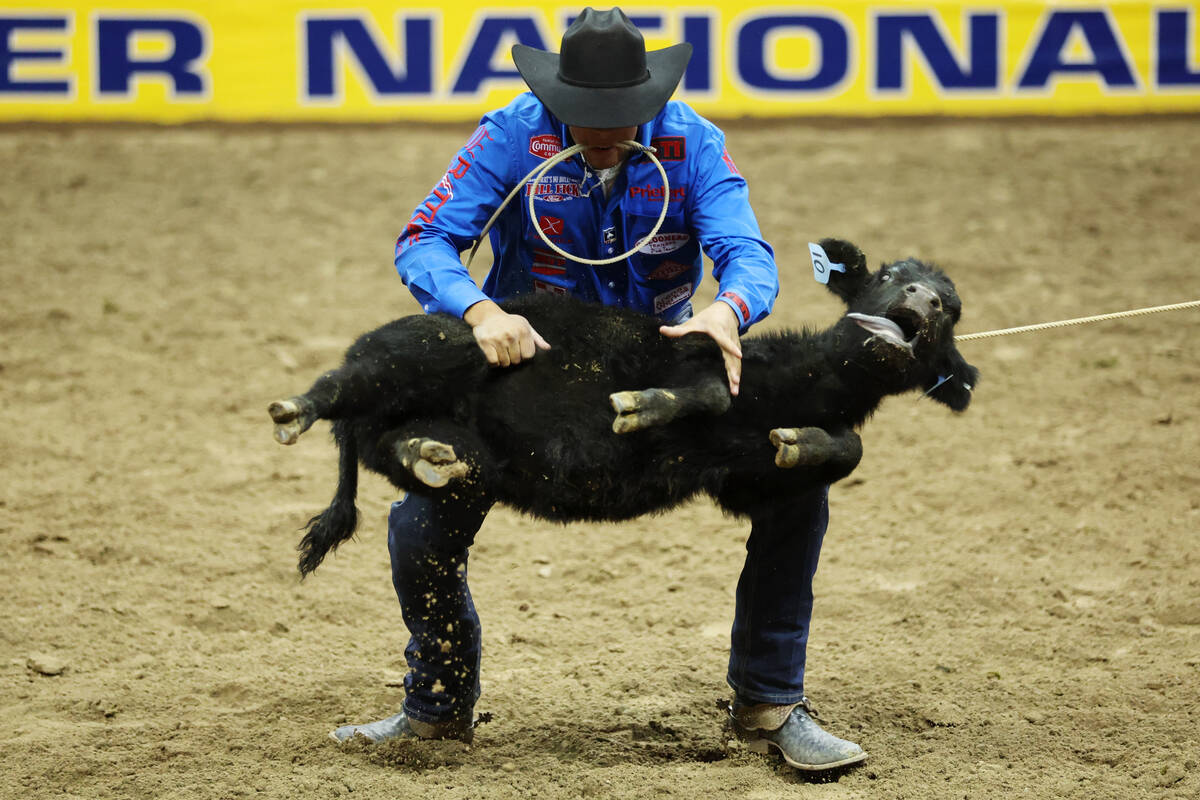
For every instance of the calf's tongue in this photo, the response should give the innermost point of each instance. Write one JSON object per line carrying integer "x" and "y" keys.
{"x": 880, "y": 326}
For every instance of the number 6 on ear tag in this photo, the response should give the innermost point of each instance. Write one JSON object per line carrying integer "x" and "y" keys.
{"x": 822, "y": 266}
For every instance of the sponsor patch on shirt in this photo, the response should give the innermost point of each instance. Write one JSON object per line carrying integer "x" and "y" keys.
{"x": 547, "y": 262}
{"x": 551, "y": 226}
{"x": 545, "y": 145}
{"x": 649, "y": 192}
{"x": 554, "y": 188}
{"x": 669, "y": 298}
{"x": 664, "y": 243}
{"x": 543, "y": 287}
{"x": 667, "y": 270}
{"x": 670, "y": 148}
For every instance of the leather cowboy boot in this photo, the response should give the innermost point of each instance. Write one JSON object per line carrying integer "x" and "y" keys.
{"x": 792, "y": 731}
{"x": 402, "y": 727}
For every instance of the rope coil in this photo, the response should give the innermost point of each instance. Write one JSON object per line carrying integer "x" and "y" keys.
{"x": 1137, "y": 312}
{"x": 536, "y": 175}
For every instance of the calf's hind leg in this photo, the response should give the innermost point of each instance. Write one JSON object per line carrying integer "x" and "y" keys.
{"x": 649, "y": 407}
{"x": 292, "y": 417}
{"x": 431, "y": 462}
{"x": 355, "y": 388}
{"x": 297, "y": 414}
{"x": 432, "y": 454}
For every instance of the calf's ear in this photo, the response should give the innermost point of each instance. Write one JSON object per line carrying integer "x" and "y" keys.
{"x": 954, "y": 381}
{"x": 848, "y": 284}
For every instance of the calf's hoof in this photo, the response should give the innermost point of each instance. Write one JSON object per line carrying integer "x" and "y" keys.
{"x": 431, "y": 462}
{"x": 796, "y": 447}
{"x": 292, "y": 418}
{"x": 645, "y": 409}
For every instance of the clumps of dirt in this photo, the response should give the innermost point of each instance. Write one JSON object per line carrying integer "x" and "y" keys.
{"x": 412, "y": 754}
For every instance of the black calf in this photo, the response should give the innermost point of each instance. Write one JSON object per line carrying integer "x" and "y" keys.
{"x": 417, "y": 402}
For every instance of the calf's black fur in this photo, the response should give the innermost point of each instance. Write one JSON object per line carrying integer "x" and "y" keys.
{"x": 416, "y": 402}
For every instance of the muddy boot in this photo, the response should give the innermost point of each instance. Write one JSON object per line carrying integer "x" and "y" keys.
{"x": 792, "y": 731}
{"x": 401, "y": 727}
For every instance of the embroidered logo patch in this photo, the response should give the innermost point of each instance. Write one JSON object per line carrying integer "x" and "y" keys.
{"x": 667, "y": 270}
{"x": 543, "y": 287}
{"x": 670, "y": 148}
{"x": 649, "y": 192}
{"x": 546, "y": 262}
{"x": 545, "y": 145}
{"x": 554, "y": 188}
{"x": 664, "y": 243}
{"x": 667, "y": 299}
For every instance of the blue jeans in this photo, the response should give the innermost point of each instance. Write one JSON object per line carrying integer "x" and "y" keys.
{"x": 775, "y": 600}
{"x": 429, "y": 541}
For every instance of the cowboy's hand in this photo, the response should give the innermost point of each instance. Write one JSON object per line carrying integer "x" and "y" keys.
{"x": 504, "y": 338}
{"x": 721, "y": 323}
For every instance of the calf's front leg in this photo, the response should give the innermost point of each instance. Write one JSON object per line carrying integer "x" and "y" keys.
{"x": 810, "y": 447}
{"x": 649, "y": 407}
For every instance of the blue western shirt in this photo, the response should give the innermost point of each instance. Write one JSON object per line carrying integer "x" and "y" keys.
{"x": 708, "y": 211}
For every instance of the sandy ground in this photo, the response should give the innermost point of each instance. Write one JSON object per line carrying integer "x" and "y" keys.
{"x": 1009, "y": 600}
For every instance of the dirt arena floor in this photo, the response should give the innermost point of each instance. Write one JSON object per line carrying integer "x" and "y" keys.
{"x": 1008, "y": 603}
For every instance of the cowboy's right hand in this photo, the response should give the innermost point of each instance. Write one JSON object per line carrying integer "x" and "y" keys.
{"x": 504, "y": 338}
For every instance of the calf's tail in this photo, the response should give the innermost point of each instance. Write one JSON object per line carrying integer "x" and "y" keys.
{"x": 335, "y": 524}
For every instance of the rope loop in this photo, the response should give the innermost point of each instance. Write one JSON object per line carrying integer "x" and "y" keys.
{"x": 538, "y": 172}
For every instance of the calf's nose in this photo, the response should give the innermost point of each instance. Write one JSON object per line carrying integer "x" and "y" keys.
{"x": 921, "y": 298}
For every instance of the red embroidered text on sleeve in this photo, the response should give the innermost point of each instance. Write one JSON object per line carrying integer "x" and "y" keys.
{"x": 740, "y": 303}
{"x": 459, "y": 165}
{"x": 728, "y": 159}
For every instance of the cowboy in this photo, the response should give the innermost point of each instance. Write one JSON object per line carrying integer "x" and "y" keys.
{"x": 601, "y": 90}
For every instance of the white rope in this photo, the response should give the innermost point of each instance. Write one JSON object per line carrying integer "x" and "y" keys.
{"x": 536, "y": 175}
{"x": 1137, "y": 312}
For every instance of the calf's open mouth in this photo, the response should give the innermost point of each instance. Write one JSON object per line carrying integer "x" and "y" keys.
{"x": 900, "y": 326}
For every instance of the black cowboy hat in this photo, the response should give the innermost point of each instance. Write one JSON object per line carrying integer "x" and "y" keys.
{"x": 603, "y": 78}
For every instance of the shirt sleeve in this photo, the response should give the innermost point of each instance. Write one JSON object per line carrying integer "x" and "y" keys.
{"x": 449, "y": 221}
{"x": 743, "y": 263}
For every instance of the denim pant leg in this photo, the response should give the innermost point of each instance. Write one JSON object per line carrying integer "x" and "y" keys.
{"x": 428, "y": 542}
{"x": 775, "y": 600}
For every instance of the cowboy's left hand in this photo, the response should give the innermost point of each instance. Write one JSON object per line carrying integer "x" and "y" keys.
{"x": 721, "y": 323}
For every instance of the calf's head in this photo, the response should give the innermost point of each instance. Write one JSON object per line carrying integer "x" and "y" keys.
{"x": 903, "y": 317}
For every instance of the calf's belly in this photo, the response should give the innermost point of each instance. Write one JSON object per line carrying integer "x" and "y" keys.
{"x": 579, "y": 488}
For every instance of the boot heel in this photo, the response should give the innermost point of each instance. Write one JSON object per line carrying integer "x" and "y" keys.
{"x": 758, "y": 745}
